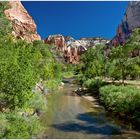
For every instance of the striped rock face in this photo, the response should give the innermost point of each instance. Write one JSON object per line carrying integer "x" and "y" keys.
{"x": 23, "y": 25}
{"x": 130, "y": 21}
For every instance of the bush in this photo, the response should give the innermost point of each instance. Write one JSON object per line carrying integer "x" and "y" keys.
{"x": 52, "y": 84}
{"x": 17, "y": 126}
{"x": 93, "y": 85}
{"x": 38, "y": 102}
{"x": 81, "y": 78}
{"x": 120, "y": 99}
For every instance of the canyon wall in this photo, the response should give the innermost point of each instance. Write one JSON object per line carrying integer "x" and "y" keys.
{"x": 130, "y": 21}
{"x": 71, "y": 48}
{"x": 23, "y": 25}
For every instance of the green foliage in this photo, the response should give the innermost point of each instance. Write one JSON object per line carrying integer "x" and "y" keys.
{"x": 124, "y": 61}
{"x": 17, "y": 126}
{"x": 93, "y": 85}
{"x": 92, "y": 62}
{"x": 68, "y": 70}
{"x": 81, "y": 78}
{"x": 134, "y": 39}
{"x": 48, "y": 68}
{"x": 120, "y": 99}
{"x": 52, "y": 84}
{"x": 38, "y": 102}
{"x": 118, "y": 63}
{"x": 5, "y": 26}
{"x": 17, "y": 72}
{"x": 22, "y": 65}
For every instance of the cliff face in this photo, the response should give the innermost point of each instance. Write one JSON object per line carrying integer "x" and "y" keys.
{"x": 23, "y": 25}
{"x": 71, "y": 48}
{"x": 57, "y": 40}
{"x": 130, "y": 21}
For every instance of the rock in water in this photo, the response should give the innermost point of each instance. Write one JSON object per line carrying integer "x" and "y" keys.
{"x": 23, "y": 25}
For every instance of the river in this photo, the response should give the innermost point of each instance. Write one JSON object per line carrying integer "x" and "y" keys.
{"x": 72, "y": 116}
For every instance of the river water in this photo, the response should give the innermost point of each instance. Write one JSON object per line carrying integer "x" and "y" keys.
{"x": 72, "y": 116}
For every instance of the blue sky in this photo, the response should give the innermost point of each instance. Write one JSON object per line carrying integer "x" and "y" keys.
{"x": 77, "y": 19}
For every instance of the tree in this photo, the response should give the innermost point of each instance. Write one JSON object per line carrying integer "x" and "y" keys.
{"x": 93, "y": 62}
{"x": 17, "y": 72}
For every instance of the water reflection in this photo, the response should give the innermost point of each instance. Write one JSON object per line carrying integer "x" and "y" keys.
{"x": 75, "y": 117}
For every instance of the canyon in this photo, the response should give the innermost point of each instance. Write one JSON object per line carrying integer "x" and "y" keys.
{"x": 72, "y": 48}
{"x": 24, "y": 27}
{"x": 55, "y": 101}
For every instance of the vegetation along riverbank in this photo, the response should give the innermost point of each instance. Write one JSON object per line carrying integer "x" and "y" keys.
{"x": 108, "y": 76}
{"x": 40, "y": 80}
{"x": 23, "y": 66}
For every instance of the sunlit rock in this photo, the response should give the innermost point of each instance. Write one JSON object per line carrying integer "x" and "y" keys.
{"x": 23, "y": 25}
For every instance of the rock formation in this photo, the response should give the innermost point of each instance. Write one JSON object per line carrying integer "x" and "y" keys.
{"x": 130, "y": 21}
{"x": 71, "y": 48}
{"x": 57, "y": 40}
{"x": 23, "y": 25}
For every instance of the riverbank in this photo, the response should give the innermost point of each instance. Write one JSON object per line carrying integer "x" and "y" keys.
{"x": 72, "y": 116}
{"x": 120, "y": 106}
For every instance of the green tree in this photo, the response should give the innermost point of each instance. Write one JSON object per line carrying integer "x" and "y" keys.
{"x": 124, "y": 60}
{"x": 17, "y": 72}
{"x": 93, "y": 62}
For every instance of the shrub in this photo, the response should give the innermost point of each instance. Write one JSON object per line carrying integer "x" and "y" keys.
{"x": 121, "y": 99}
{"x": 38, "y": 102}
{"x": 17, "y": 126}
{"x": 93, "y": 85}
{"x": 52, "y": 84}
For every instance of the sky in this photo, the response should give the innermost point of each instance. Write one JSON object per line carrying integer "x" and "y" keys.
{"x": 76, "y": 19}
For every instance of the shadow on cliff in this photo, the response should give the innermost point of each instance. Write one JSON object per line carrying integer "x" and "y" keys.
{"x": 88, "y": 125}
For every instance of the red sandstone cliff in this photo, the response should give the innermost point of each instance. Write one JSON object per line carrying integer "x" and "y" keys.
{"x": 130, "y": 21}
{"x": 71, "y": 48}
{"x": 57, "y": 40}
{"x": 23, "y": 25}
